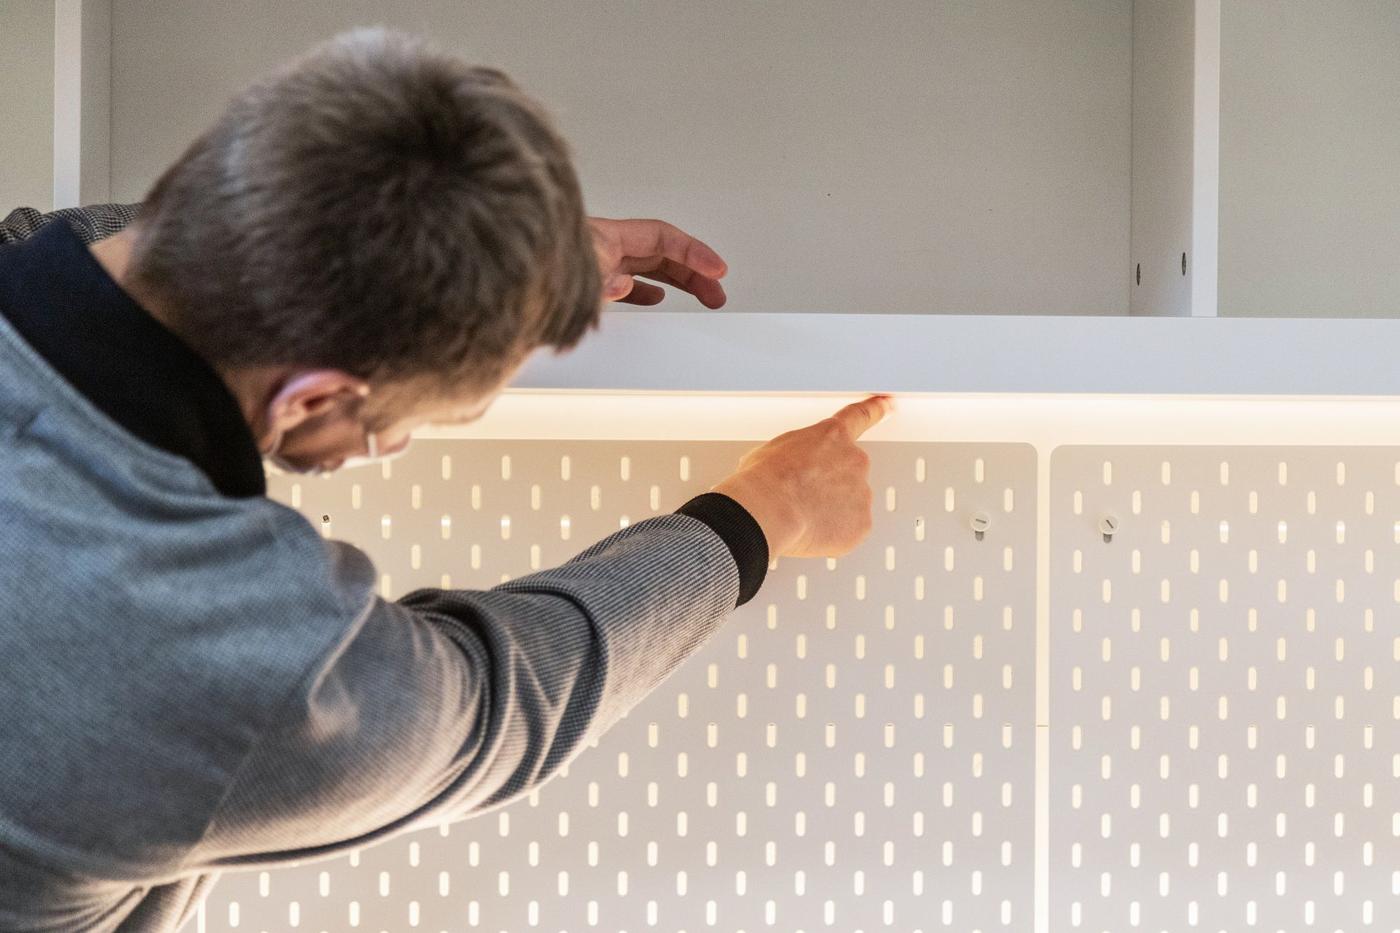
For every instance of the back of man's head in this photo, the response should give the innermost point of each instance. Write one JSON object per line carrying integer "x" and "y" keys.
{"x": 376, "y": 207}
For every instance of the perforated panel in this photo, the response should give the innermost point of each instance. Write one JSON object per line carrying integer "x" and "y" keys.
{"x": 853, "y": 750}
{"x": 1225, "y": 688}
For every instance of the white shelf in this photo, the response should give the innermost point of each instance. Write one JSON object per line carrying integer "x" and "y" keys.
{"x": 638, "y": 351}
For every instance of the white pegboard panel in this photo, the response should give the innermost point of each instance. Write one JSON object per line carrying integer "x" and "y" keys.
{"x": 854, "y": 750}
{"x": 1225, "y": 688}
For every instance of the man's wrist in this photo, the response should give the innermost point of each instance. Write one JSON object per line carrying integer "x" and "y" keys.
{"x": 740, "y": 532}
{"x": 781, "y": 525}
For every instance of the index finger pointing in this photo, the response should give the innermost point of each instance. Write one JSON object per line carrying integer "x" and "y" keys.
{"x": 859, "y": 417}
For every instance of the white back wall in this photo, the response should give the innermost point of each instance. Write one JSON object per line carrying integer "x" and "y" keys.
{"x": 1309, "y": 154}
{"x": 911, "y": 156}
{"x": 26, "y": 104}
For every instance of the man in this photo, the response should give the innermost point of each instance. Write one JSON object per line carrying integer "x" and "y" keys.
{"x": 372, "y": 239}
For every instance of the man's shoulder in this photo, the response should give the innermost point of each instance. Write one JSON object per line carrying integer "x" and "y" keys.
{"x": 93, "y": 223}
{"x": 148, "y": 637}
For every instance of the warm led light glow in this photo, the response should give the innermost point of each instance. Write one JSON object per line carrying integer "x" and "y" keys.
{"x": 1043, "y": 420}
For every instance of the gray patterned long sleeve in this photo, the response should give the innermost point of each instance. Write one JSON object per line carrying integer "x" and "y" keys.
{"x": 452, "y": 702}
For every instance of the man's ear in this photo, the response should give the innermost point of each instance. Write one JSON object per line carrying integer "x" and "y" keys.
{"x": 309, "y": 394}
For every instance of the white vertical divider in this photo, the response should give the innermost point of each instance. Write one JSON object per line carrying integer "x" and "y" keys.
{"x": 67, "y": 101}
{"x": 1176, "y": 157}
{"x": 1205, "y": 166}
{"x": 82, "y": 102}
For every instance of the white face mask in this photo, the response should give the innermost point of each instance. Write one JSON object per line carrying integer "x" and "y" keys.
{"x": 371, "y": 456}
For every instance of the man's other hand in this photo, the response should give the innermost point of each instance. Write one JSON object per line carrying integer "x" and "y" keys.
{"x": 630, "y": 250}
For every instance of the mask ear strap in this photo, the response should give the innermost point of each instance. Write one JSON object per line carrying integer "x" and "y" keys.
{"x": 271, "y": 456}
{"x": 272, "y": 448}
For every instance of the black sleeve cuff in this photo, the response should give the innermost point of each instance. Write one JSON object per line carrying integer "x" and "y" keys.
{"x": 733, "y": 523}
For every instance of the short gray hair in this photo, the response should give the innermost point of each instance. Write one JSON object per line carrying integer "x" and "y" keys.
{"x": 379, "y": 207}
